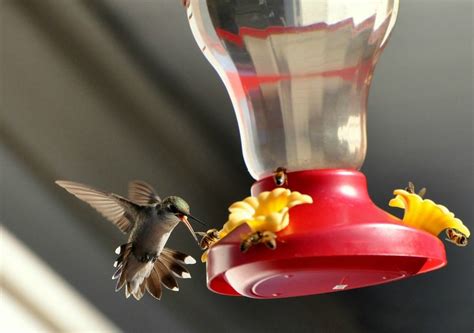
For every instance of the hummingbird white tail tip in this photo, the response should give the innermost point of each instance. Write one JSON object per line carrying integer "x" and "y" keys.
{"x": 189, "y": 260}
{"x": 117, "y": 250}
{"x": 186, "y": 275}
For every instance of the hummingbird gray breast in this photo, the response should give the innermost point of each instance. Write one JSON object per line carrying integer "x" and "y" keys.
{"x": 152, "y": 233}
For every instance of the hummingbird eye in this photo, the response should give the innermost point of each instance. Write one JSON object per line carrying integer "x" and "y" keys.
{"x": 173, "y": 209}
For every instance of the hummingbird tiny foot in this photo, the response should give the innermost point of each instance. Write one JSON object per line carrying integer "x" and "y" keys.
{"x": 148, "y": 257}
{"x": 266, "y": 237}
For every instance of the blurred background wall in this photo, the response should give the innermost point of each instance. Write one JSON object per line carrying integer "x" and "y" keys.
{"x": 105, "y": 91}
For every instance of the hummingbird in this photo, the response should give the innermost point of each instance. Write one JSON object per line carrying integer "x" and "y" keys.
{"x": 143, "y": 263}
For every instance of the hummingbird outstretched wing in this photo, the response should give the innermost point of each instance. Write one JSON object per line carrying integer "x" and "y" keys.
{"x": 142, "y": 193}
{"x": 113, "y": 207}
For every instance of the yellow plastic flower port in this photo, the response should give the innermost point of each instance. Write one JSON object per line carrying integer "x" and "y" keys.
{"x": 269, "y": 212}
{"x": 429, "y": 216}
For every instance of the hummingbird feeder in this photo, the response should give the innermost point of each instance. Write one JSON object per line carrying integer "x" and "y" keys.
{"x": 298, "y": 73}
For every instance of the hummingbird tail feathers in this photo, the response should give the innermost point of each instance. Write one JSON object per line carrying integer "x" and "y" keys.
{"x": 131, "y": 272}
{"x": 139, "y": 277}
{"x": 169, "y": 265}
{"x": 166, "y": 277}
{"x": 172, "y": 261}
{"x": 178, "y": 256}
{"x": 123, "y": 251}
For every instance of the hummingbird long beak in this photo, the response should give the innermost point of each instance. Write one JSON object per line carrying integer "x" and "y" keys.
{"x": 184, "y": 219}
{"x": 197, "y": 220}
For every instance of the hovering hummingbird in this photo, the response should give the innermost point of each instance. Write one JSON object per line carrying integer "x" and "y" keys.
{"x": 143, "y": 263}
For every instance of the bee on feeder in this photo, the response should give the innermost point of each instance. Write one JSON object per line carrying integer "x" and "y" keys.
{"x": 429, "y": 216}
{"x": 266, "y": 237}
{"x": 280, "y": 177}
{"x": 411, "y": 189}
{"x": 208, "y": 238}
{"x": 456, "y": 237}
{"x": 265, "y": 215}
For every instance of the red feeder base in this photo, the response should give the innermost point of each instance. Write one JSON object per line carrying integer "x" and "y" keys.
{"x": 341, "y": 241}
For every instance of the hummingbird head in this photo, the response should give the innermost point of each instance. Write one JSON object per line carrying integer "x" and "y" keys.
{"x": 176, "y": 205}
{"x": 180, "y": 208}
